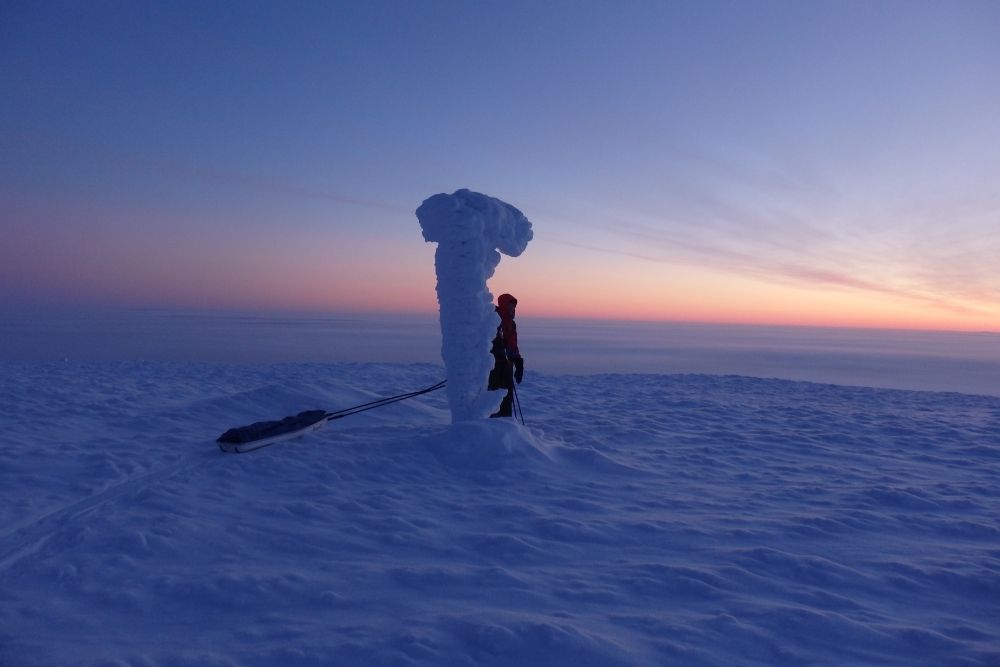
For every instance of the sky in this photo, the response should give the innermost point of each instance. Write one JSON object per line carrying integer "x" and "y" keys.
{"x": 802, "y": 163}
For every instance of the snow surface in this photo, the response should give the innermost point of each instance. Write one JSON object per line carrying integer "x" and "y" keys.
{"x": 635, "y": 520}
{"x": 469, "y": 229}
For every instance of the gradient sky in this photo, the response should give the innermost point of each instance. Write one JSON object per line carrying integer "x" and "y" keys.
{"x": 833, "y": 163}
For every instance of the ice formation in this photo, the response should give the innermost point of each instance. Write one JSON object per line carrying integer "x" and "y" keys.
{"x": 471, "y": 230}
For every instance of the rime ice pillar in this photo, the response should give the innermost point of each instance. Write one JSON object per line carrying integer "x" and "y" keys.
{"x": 469, "y": 228}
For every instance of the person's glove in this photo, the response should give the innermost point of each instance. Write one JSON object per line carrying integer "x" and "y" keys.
{"x": 518, "y": 369}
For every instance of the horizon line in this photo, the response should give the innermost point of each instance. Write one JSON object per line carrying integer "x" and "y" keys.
{"x": 265, "y": 311}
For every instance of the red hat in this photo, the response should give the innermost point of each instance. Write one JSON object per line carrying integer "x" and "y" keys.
{"x": 504, "y": 300}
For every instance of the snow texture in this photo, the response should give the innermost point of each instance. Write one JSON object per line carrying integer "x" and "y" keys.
{"x": 471, "y": 231}
{"x": 635, "y": 520}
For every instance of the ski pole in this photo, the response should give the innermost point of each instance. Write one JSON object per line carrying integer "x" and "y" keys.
{"x": 517, "y": 403}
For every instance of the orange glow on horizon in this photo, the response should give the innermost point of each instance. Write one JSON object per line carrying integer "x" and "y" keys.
{"x": 641, "y": 291}
{"x": 848, "y": 311}
{"x": 124, "y": 266}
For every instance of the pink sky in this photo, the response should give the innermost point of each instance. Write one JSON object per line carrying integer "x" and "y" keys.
{"x": 109, "y": 259}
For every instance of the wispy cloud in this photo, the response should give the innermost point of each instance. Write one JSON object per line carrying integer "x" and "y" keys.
{"x": 810, "y": 235}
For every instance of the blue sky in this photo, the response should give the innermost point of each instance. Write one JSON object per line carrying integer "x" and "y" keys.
{"x": 830, "y": 163}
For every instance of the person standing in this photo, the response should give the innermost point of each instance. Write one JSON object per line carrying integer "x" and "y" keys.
{"x": 508, "y": 364}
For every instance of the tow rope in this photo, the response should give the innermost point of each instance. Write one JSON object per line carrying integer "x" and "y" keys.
{"x": 330, "y": 416}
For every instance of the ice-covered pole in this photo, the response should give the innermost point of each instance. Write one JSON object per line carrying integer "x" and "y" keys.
{"x": 469, "y": 228}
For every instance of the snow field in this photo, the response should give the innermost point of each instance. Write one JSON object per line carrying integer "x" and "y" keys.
{"x": 635, "y": 520}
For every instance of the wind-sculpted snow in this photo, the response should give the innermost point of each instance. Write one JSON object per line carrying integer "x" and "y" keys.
{"x": 488, "y": 445}
{"x": 470, "y": 229}
{"x": 659, "y": 520}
